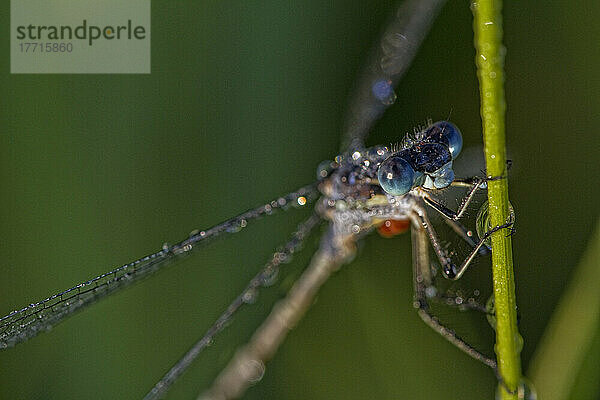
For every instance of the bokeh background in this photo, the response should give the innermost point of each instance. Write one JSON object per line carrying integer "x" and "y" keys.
{"x": 243, "y": 102}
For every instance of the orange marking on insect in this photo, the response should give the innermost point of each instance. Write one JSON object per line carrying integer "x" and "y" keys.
{"x": 393, "y": 227}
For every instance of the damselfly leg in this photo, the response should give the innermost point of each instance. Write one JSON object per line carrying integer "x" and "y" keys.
{"x": 242, "y": 370}
{"x": 423, "y": 285}
{"x": 264, "y": 278}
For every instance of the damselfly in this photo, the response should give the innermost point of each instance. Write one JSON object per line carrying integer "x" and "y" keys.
{"x": 348, "y": 198}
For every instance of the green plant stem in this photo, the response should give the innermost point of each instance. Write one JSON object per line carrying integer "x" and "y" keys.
{"x": 490, "y": 62}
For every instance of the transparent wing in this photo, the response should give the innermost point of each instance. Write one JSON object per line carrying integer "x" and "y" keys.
{"x": 389, "y": 61}
{"x": 263, "y": 278}
{"x": 21, "y": 325}
{"x": 248, "y": 363}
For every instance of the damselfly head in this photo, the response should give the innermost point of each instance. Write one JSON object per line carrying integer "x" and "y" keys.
{"x": 426, "y": 162}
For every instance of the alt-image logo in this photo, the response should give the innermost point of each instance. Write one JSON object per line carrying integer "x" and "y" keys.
{"x": 83, "y": 36}
{"x": 90, "y": 33}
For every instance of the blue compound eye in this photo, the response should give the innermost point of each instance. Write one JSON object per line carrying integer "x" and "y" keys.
{"x": 447, "y": 133}
{"x": 396, "y": 176}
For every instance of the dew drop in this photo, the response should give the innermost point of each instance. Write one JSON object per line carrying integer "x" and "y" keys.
{"x": 384, "y": 92}
{"x": 269, "y": 276}
{"x": 491, "y": 312}
{"x": 377, "y": 153}
{"x": 324, "y": 169}
{"x": 284, "y": 258}
{"x": 250, "y": 296}
{"x": 525, "y": 391}
{"x": 352, "y": 179}
{"x": 253, "y": 371}
{"x": 236, "y": 226}
{"x": 519, "y": 342}
{"x": 430, "y": 291}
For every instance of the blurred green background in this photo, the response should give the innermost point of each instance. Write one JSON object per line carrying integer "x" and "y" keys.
{"x": 243, "y": 102}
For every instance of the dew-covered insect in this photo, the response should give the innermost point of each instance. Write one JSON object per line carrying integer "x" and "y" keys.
{"x": 386, "y": 188}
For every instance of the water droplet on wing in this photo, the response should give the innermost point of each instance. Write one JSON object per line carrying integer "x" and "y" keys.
{"x": 383, "y": 91}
